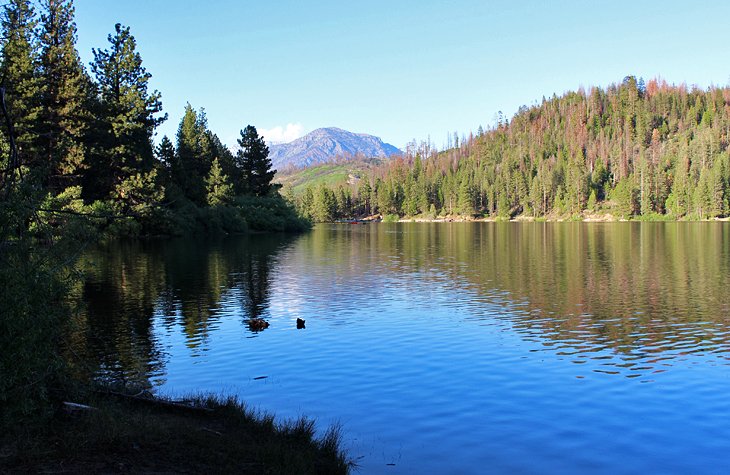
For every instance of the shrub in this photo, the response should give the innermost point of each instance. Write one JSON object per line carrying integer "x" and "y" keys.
{"x": 271, "y": 213}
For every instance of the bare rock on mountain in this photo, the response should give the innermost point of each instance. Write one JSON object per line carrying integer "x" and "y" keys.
{"x": 324, "y": 145}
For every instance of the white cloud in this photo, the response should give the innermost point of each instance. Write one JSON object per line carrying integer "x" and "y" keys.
{"x": 283, "y": 134}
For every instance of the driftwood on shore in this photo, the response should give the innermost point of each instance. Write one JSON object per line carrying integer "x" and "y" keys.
{"x": 75, "y": 408}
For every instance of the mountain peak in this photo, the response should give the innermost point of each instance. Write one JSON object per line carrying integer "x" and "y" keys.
{"x": 324, "y": 144}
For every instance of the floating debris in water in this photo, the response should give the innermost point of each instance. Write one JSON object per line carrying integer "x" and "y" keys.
{"x": 257, "y": 324}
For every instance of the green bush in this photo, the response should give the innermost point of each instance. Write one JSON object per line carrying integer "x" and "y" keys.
{"x": 271, "y": 213}
{"x": 223, "y": 219}
{"x": 575, "y": 217}
{"x": 33, "y": 311}
{"x": 652, "y": 216}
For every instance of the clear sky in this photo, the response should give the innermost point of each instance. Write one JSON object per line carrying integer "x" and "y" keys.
{"x": 400, "y": 69}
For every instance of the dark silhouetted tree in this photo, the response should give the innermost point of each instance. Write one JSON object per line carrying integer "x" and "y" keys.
{"x": 128, "y": 113}
{"x": 20, "y": 73}
{"x": 252, "y": 160}
{"x": 65, "y": 100}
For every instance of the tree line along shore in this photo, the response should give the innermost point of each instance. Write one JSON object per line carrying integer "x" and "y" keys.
{"x": 634, "y": 150}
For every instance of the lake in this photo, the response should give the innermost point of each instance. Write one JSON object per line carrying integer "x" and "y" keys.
{"x": 464, "y": 348}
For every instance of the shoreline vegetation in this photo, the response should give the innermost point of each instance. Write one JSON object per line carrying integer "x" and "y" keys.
{"x": 584, "y": 217}
{"x": 78, "y": 165}
{"x": 121, "y": 432}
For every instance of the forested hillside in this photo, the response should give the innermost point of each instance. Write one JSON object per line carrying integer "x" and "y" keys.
{"x": 82, "y": 140}
{"x": 651, "y": 151}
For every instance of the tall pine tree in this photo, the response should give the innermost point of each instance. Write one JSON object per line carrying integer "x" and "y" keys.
{"x": 128, "y": 112}
{"x": 20, "y": 73}
{"x": 219, "y": 188}
{"x": 165, "y": 153}
{"x": 66, "y": 98}
{"x": 252, "y": 160}
{"x": 193, "y": 158}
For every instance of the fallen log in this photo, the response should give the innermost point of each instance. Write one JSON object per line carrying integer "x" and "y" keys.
{"x": 75, "y": 408}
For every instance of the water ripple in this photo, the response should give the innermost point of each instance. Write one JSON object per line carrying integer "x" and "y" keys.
{"x": 445, "y": 349}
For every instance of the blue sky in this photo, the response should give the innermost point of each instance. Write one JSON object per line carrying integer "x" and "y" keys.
{"x": 400, "y": 69}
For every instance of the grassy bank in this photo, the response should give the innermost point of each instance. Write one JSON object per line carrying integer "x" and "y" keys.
{"x": 139, "y": 435}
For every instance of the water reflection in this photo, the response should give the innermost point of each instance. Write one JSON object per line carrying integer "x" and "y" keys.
{"x": 183, "y": 284}
{"x": 629, "y": 297}
{"x": 519, "y": 347}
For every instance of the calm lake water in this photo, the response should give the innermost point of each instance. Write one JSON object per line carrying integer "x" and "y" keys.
{"x": 443, "y": 348}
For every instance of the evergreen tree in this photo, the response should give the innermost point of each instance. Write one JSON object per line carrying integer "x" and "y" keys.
{"x": 128, "y": 111}
{"x": 465, "y": 199}
{"x": 344, "y": 202}
{"x": 220, "y": 189}
{"x": 386, "y": 197}
{"x": 165, "y": 153}
{"x": 625, "y": 196}
{"x": 576, "y": 184}
{"x": 591, "y": 205}
{"x": 221, "y": 152}
{"x": 503, "y": 208}
{"x": 324, "y": 205}
{"x": 410, "y": 201}
{"x": 364, "y": 195}
{"x": 139, "y": 194}
{"x": 20, "y": 73}
{"x": 65, "y": 100}
{"x": 192, "y": 161}
{"x": 253, "y": 163}
{"x": 305, "y": 204}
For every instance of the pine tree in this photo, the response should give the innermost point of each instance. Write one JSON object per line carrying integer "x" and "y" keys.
{"x": 139, "y": 193}
{"x": 220, "y": 190}
{"x": 221, "y": 152}
{"x": 363, "y": 193}
{"x": 324, "y": 205}
{"x": 128, "y": 118}
{"x": 305, "y": 205}
{"x": 625, "y": 196}
{"x": 591, "y": 205}
{"x": 165, "y": 152}
{"x": 410, "y": 202}
{"x": 254, "y": 164}
{"x": 20, "y": 73}
{"x": 192, "y": 161}
{"x": 65, "y": 101}
{"x": 343, "y": 202}
{"x": 465, "y": 198}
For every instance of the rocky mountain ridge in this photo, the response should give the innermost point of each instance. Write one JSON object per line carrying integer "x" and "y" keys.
{"x": 326, "y": 144}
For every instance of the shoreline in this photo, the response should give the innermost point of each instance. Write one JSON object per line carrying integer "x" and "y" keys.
{"x": 118, "y": 432}
{"x": 584, "y": 218}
